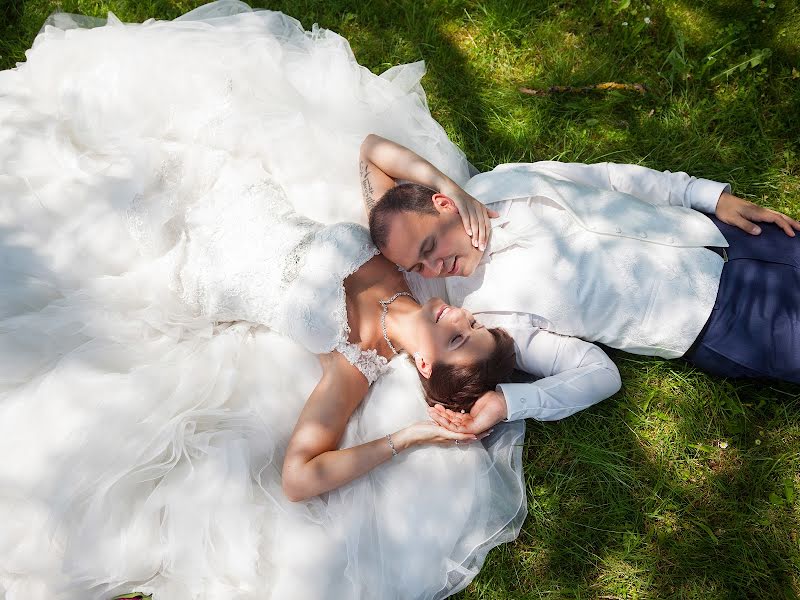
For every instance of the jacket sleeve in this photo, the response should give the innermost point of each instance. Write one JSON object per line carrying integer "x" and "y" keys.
{"x": 656, "y": 187}
{"x": 574, "y": 375}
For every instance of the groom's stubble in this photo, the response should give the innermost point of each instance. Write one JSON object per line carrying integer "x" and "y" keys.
{"x": 432, "y": 245}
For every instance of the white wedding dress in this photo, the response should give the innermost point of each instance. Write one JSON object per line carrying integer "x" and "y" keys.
{"x": 169, "y": 265}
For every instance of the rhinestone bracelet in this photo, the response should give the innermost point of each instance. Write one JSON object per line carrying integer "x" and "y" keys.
{"x": 391, "y": 444}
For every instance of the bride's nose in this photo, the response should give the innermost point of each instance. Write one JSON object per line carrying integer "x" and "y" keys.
{"x": 461, "y": 319}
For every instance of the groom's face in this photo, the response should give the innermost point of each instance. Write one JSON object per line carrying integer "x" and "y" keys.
{"x": 432, "y": 245}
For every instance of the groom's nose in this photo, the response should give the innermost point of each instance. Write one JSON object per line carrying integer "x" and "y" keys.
{"x": 433, "y": 267}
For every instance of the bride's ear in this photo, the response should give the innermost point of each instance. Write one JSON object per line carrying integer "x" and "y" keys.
{"x": 423, "y": 367}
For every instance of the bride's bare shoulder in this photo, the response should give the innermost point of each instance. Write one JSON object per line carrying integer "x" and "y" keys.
{"x": 377, "y": 270}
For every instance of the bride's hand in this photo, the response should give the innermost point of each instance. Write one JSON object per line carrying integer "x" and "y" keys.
{"x": 490, "y": 409}
{"x": 428, "y": 432}
{"x": 474, "y": 215}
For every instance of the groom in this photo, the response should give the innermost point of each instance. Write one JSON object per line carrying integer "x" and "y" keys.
{"x": 616, "y": 254}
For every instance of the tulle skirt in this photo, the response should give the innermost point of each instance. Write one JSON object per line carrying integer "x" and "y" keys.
{"x": 142, "y": 444}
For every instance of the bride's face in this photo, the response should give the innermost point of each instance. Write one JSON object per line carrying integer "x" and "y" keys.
{"x": 449, "y": 334}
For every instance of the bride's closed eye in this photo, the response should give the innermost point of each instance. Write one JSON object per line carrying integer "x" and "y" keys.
{"x": 457, "y": 338}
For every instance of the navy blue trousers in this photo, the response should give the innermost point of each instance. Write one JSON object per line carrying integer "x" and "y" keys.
{"x": 754, "y": 328}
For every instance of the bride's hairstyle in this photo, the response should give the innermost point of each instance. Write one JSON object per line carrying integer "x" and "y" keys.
{"x": 406, "y": 197}
{"x": 458, "y": 387}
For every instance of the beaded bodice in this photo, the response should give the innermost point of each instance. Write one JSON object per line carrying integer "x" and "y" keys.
{"x": 250, "y": 256}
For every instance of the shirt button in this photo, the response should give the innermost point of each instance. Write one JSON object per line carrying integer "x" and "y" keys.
{"x": 643, "y": 234}
{"x": 618, "y": 230}
{"x": 523, "y": 400}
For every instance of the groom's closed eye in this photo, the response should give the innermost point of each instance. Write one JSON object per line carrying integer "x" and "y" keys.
{"x": 428, "y": 245}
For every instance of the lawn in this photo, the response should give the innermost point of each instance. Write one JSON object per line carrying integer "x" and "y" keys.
{"x": 682, "y": 485}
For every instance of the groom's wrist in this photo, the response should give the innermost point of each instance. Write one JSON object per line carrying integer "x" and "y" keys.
{"x": 506, "y": 410}
{"x": 447, "y": 186}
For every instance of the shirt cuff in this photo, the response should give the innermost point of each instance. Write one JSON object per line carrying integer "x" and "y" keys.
{"x": 511, "y": 411}
{"x": 704, "y": 194}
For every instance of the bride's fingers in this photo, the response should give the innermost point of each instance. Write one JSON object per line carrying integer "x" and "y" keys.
{"x": 454, "y": 416}
{"x": 475, "y": 224}
{"x": 442, "y": 411}
{"x": 450, "y": 414}
{"x": 439, "y": 419}
{"x": 455, "y": 421}
{"x": 442, "y": 419}
{"x": 467, "y": 217}
{"x": 456, "y": 436}
{"x": 485, "y": 230}
{"x": 460, "y": 442}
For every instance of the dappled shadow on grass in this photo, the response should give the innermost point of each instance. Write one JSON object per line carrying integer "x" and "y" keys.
{"x": 758, "y": 24}
{"x": 728, "y": 528}
{"x": 652, "y": 493}
{"x": 10, "y": 13}
{"x": 677, "y": 125}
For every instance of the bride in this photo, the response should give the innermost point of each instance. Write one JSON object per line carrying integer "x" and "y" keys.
{"x": 249, "y": 256}
{"x": 188, "y": 336}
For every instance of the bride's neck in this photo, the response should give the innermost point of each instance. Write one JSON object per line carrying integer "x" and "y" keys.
{"x": 400, "y": 323}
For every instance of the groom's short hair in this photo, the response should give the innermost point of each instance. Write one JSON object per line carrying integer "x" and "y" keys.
{"x": 406, "y": 197}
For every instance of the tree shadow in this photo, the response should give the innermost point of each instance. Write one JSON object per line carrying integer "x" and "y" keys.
{"x": 10, "y": 12}
{"x": 615, "y": 513}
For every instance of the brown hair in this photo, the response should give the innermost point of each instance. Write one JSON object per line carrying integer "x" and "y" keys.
{"x": 406, "y": 197}
{"x": 458, "y": 387}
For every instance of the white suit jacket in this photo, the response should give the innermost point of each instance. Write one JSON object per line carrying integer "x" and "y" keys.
{"x": 627, "y": 201}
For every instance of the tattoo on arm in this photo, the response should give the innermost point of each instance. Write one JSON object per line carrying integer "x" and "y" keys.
{"x": 367, "y": 190}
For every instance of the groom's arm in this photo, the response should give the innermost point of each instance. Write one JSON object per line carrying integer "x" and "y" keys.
{"x": 383, "y": 161}
{"x": 574, "y": 375}
{"x": 665, "y": 188}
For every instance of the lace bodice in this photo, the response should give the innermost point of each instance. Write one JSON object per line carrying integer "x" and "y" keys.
{"x": 249, "y": 256}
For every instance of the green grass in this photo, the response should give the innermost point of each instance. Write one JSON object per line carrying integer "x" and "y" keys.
{"x": 682, "y": 485}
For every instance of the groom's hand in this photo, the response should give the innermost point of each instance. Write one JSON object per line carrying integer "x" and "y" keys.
{"x": 742, "y": 214}
{"x": 489, "y": 410}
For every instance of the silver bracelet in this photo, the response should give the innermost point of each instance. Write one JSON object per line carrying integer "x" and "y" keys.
{"x": 391, "y": 444}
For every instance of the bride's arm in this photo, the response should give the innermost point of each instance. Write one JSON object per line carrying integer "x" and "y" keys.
{"x": 313, "y": 465}
{"x": 382, "y": 161}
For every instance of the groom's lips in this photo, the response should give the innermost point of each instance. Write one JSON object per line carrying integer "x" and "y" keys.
{"x": 453, "y": 267}
{"x": 439, "y": 312}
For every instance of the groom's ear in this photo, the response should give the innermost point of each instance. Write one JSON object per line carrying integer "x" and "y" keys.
{"x": 423, "y": 367}
{"x": 443, "y": 203}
